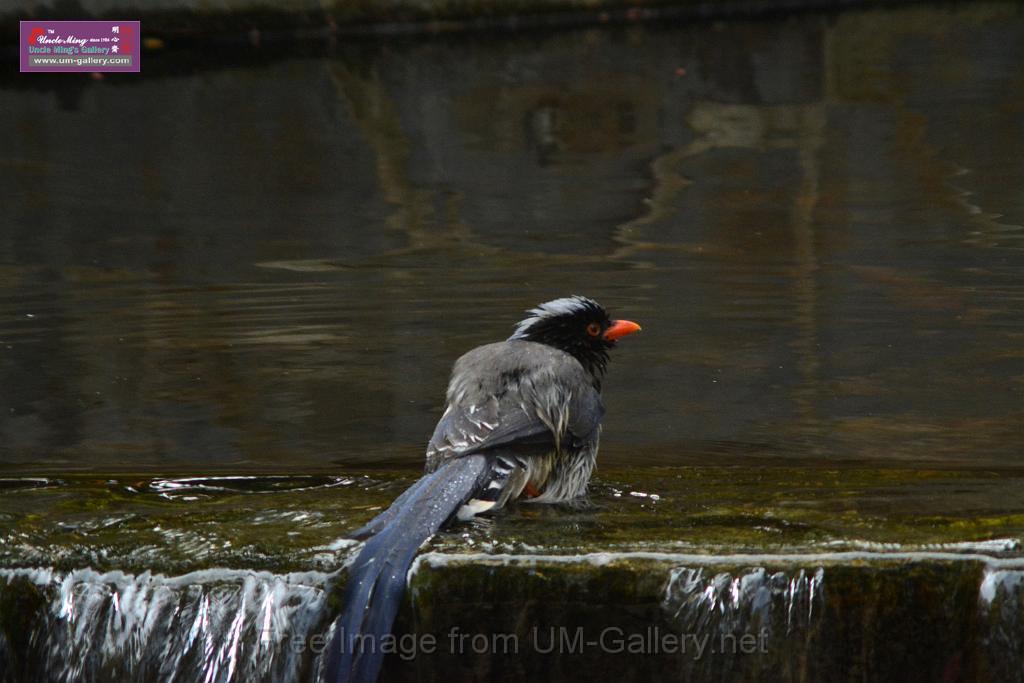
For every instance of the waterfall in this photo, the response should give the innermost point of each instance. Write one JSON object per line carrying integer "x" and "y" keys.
{"x": 206, "y": 626}
{"x": 748, "y": 619}
{"x": 1002, "y": 622}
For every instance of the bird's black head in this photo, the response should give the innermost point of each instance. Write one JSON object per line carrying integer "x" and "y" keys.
{"x": 577, "y": 325}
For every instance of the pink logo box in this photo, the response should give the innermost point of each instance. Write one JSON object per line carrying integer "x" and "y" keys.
{"x": 80, "y": 46}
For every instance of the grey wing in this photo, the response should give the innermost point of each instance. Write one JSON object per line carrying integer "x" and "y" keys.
{"x": 493, "y": 424}
{"x": 535, "y": 418}
{"x": 508, "y": 436}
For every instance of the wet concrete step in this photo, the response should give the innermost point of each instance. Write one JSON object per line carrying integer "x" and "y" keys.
{"x": 605, "y": 616}
{"x": 758, "y": 574}
{"x": 661, "y": 616}
{"x": 178, "y": 524}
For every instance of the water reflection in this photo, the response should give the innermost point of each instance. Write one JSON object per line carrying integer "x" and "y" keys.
{"x": 273, "y": 267}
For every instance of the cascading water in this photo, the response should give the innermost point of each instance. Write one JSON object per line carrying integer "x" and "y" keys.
{"x": 203, "y": 627}
{"x": 1002, "y": 621}
{"x": 734, "y": 618}
{"x": 745, "y": 602}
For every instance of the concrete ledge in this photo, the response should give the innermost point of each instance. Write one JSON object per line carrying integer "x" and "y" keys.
{"x": 914, "y": 616}
{"x": 700, "y": 574}
{"x": 665, "y": 616}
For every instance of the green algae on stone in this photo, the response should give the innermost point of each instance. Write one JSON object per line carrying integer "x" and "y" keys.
{"x": 767, "y": 557}
{"x": 138, "y": 523}
{"x": 115, "y": 523}
{"x": 871, "y": 616}
{"x": 21, "y": 604}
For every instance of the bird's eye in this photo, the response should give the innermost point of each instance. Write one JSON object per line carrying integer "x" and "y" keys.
{"x": 594, "y": 329}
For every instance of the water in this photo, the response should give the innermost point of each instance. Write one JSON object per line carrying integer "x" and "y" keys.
{"x": 208, "y": 626}
{"x": 272, "y": 266}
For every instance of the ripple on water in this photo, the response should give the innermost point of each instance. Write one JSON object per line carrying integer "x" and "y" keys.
{"x": 191, "y": 486}
{"x": 21, "y": 483}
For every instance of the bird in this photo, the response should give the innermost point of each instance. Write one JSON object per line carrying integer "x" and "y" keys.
{"x": 522, "y": 420}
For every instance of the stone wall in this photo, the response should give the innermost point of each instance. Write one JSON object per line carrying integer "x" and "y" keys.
{"x": 229, "y": 19}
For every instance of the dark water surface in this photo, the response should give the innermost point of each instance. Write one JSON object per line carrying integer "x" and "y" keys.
{"x": 270, "y": 268}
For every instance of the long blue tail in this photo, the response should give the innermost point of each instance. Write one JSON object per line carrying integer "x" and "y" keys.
{"x": 376, "y": 580}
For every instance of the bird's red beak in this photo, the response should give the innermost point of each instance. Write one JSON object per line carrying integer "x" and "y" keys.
{"x": 620, "y": 328}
